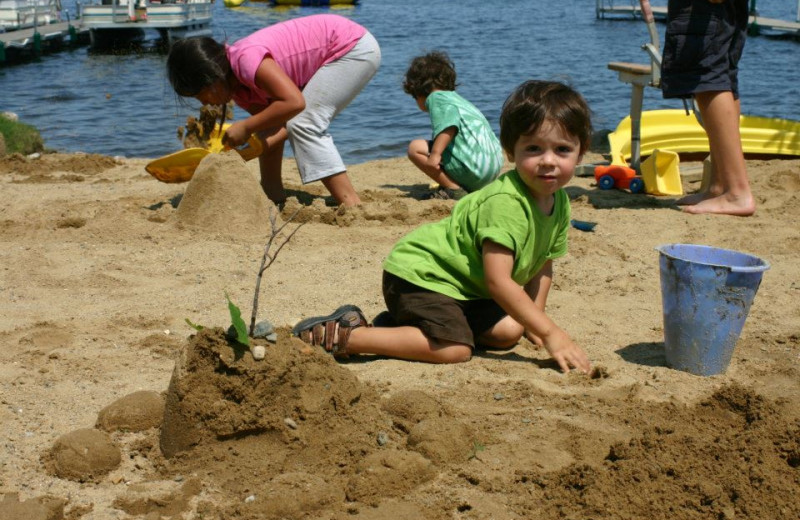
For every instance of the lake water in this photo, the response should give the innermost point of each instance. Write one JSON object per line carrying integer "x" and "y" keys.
{"x": 123, "y": 104}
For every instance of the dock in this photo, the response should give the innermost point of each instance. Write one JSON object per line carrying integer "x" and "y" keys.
{"x": 112, "y": 19}
{"x": 757, "y": 25}
{"x": 100, "y": 24}
{"x": 629, "y": 10}
{"x": 34, "y": 41}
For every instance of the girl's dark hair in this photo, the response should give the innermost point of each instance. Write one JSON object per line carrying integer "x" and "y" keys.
{"x": 535, "y": 102}
{"x": 196, "y": 63}
{"x": 431, "y": 71}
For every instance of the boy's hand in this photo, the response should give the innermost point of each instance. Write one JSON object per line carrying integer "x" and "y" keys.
{"x": 435, "y": 161}
{"x": 533, "y": 338}
{"x": 566, "y": 353}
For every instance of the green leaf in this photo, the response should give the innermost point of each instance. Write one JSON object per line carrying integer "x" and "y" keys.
{"x": 238, "y": 323}
{"x": 476, "y": 447}
{"x": 195, "y": 326}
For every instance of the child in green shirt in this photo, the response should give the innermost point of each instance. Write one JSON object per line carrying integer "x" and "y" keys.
{"x": 464, "y": 153}
{"x": 481, "y": 276}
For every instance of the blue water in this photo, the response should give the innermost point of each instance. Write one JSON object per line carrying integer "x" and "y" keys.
{"x": 123, "y": 104}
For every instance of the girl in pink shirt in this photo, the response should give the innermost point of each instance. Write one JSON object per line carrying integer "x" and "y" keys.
{"x": 292, "y": 78}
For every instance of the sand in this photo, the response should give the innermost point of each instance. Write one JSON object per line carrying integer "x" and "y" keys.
{"x": 113, "y": 407}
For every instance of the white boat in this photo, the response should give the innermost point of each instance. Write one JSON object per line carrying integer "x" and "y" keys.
{"x": 112, "y": 19}
{"x": 25, "y": 14}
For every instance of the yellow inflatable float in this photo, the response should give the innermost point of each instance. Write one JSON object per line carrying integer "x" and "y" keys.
{"x": 676, "y": 131}
{"x": 313, "y": 3}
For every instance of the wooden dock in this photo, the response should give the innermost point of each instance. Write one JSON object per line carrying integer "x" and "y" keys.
{"x": 33, "y": 41}
{"x": 630, "y": 10}
{"x": 104, "y": 23}
{"x": 761, "y": 25}
{"x": 608, "y": 9}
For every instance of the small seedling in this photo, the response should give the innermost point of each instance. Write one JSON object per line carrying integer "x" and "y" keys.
{"x": 476, "y": 447}
{"x": 267, "y": 259}
{"x": 195, "y": 326}
{"x": 238, "y": 330}
{"x": 238, "y": 323}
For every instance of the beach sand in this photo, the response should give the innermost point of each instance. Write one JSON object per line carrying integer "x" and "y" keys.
{"x": 102, "y": 265}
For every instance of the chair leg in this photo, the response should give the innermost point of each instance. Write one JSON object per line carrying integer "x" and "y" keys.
{"x": 637, "y": 98}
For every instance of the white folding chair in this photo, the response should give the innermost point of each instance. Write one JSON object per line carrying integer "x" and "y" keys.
{"x": 640, "y": 76}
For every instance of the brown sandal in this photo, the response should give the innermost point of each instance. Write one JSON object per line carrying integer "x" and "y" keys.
{"x": 331, "y": 332}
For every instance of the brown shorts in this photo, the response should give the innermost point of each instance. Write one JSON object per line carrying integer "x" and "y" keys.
{"x": 438, "y": 316}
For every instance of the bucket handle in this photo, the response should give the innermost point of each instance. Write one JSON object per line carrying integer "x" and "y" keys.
{"x": 749, "y": 268}
{"x": 737, "y": 268}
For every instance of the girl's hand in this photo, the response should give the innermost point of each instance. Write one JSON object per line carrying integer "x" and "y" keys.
{"x": 566, "y": 353}
{"x": 236, "y": 135}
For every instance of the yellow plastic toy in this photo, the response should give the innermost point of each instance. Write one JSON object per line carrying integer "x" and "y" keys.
{"x": 180, "y": 166}
{"x": 661, "y": 173}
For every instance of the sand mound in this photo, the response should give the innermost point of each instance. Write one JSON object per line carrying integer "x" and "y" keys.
{"x": 296, "y": 424}
{"x": 218, "y": 392}
{"x": 134, "y": 412}
{"x": 732, "y": 455}
{"x": 224, "y": 198}
{"x": 83, "y": 455}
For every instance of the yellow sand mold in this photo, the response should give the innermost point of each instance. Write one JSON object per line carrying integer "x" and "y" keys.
{"x": 661, "y": 173}
{"x": 180, "y": 166}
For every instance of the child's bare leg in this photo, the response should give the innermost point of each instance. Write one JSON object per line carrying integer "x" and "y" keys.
{"x": 729, "y": 191}
{"x": 418, "y": 154}
{"x": 405, "y": 343}
{"x": 341, "y": 188}
{"x": 505, "y": 334}
{"x": 270, "y": 163}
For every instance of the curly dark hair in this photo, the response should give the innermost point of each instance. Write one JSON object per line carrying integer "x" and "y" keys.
{"x": 534, "y": 102}
{"x": 433, "y": 71}
{"x": 196, "y": 63}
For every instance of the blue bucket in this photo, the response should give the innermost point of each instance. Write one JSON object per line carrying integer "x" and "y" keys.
{"x": 706, "y": 295}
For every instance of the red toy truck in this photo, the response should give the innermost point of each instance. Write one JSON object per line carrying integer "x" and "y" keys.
{"x": 620, "y": 177}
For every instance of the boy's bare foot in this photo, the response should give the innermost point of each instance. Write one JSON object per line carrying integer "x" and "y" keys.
{"x": 725, "y": 204}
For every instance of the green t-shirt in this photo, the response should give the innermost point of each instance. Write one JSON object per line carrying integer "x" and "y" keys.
{"x": 474, "y": 157}
{"x": 446, "y": 256}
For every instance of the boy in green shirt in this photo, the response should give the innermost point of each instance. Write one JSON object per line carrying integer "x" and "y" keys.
{"x": 481, "y": 276}
{"x": 464, "y": 153}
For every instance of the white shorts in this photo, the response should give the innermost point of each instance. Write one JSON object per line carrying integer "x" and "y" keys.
{"x": 331, "y": 89}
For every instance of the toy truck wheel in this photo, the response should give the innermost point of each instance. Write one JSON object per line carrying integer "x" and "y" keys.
{"x": 606, "y": 182}
{"x": 636, "y": 185}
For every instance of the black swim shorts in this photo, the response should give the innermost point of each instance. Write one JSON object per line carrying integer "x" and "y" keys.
{"x": 703, "y": 44}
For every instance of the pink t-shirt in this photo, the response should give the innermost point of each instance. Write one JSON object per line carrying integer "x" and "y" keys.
{"x": 300, "y": 47}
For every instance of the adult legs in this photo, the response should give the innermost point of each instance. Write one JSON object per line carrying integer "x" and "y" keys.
{"x": 729, "y": 190}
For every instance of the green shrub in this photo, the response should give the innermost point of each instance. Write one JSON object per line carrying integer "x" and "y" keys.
{"x": 20, "y": 138}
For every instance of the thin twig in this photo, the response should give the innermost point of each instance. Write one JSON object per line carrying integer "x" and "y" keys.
{"x": 267, "y": 259}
